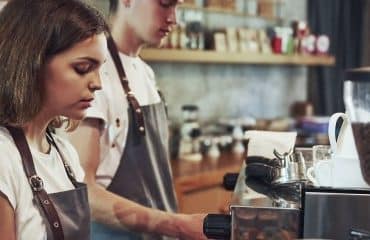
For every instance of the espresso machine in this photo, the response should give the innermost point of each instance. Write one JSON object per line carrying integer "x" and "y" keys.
{"x": 289, "y": 209}
{"x": 272, "y": 199}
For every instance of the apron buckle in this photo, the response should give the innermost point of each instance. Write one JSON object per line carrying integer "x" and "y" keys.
{"x": 36, "y": 183}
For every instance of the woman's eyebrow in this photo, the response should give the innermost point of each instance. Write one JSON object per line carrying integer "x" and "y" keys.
{"x": 91, "y": 59}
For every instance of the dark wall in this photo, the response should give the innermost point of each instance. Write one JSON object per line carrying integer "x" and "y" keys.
{"x": 345, "y": 22}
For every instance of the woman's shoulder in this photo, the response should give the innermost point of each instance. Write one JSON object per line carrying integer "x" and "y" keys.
{"x": 11, "y": 168}
{"x": 10, "y": 158}
{"x": 7, "y": 146}
{"x": 5, "y": 135}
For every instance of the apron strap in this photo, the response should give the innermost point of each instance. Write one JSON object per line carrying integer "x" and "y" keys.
{"x": 68, "y": 169}
{"x": 139, "y": 117}
{"x": 163, "y": 99}
{"x": 36, "y": 182}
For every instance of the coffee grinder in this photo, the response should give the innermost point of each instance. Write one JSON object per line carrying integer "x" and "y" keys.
{"x": 357, "y": 103}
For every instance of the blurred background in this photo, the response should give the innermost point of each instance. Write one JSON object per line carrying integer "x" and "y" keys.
{"x": 236, "y": 65}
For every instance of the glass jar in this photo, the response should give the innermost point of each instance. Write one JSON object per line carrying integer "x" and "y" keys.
{"x": 190, "y": 113}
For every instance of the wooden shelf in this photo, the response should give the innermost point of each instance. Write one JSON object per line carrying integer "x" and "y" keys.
{"x": 195, "y": 56}
{"x": 211, "y": 10}
{"x": 227, "y": 12}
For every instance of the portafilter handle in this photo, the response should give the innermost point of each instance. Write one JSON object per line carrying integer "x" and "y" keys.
{"x": 217, "y": 226}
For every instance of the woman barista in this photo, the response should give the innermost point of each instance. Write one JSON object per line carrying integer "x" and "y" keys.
{"x": 50, "y": 54}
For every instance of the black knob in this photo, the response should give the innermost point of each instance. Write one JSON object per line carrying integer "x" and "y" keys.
{"x": 217, "y": 226}
{"x": 230, "y": 180}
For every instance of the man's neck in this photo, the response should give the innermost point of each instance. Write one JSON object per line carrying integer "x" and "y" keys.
{"x": 126, "y": 39}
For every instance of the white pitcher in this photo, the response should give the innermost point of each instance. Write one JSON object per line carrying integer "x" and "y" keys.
{"x": 345, "y": 163}
{"x": 344, "y": 146}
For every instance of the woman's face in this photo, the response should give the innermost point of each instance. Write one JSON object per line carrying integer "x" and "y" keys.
{"x": 72, "y": 76}
{"x": 152, "y": 20}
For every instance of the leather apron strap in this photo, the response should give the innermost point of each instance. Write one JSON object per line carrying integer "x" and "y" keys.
{"x": 126, "y": 88}
{"x": 68, "y": 169}
{"x": 36, "y": 183}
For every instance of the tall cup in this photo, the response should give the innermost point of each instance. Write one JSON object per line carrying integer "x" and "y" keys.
{"x": 357, "y": 103}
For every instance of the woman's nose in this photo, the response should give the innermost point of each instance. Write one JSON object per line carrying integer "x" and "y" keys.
{"x": 171, "y": 18}
{"x": 95, "y": 83}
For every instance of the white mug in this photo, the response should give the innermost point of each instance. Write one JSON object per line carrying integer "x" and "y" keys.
{"x": 337, "y": 172}
{"x": 344, "y": 146}
{"x": 320, "y": 174}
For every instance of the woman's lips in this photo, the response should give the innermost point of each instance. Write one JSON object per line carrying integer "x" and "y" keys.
{"x": 85, "y": 103}
{"x": 164, "y": 32}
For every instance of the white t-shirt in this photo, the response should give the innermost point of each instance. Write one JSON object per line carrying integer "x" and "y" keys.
{"x": 111, "y": 106}
{"x": 14, "y": 183}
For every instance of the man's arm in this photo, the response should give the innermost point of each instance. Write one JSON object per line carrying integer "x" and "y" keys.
{"x": 116, "y": 211}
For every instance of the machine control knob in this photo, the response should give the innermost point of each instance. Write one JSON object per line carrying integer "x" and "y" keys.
{"x": 217, "y": 226}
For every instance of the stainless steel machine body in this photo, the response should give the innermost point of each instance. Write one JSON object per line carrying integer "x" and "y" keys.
{"x": 259, "y": 211}
{"x": 295, "y": 210}
{"x": 292, "y": 211}
{"x": 338, "y": 214}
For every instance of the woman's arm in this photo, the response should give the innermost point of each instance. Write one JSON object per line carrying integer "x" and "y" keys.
{"x": 7, "y": 220}
{"x": 119, "y": 212}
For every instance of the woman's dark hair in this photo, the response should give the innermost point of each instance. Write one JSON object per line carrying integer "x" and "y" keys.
{"x": 31, "y": 33}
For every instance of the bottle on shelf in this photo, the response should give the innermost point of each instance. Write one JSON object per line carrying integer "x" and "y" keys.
{"x": 189, "y": 148}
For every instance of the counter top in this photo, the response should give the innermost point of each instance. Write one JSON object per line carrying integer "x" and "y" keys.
{"x": 207, "y": 172}
{"x": 198, "y": 185}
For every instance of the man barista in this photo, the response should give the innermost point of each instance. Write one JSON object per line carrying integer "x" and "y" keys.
{"x": 123, "y": 141}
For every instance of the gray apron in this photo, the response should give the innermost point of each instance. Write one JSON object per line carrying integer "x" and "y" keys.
{"x": 66, "y": 214}
{"x": 74, "y": 212}
{"x": 144, "y": 174}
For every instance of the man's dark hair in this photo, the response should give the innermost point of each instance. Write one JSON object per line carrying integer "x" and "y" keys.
{"x": 113, "y": 5}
